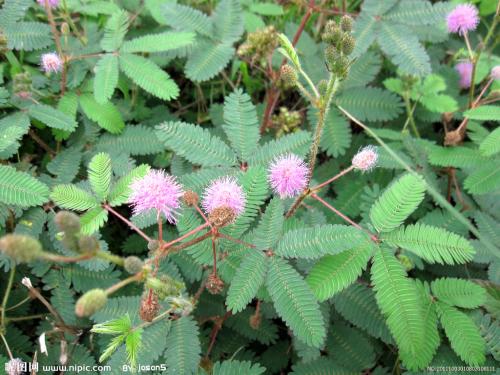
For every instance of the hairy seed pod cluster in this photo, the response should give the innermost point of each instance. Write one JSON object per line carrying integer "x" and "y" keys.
{"x": 340, "y": 44}
{"x": 91, "y": 302}
{"x": 23, "y": 249}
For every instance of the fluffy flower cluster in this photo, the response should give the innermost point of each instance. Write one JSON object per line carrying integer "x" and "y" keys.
{"x": 288, "y": 175}
{"x": 464, "y": 69}
{"x": 224, "y": 192}
{"x": 462, "y": 19}
{"x": 366, "y": 159}
{"x": 157, "y": 190}
{"x": 52, "y": 3}
{"x": 51, "y": 62}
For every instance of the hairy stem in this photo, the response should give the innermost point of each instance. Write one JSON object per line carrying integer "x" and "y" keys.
{"x": 108, "y": 208}
{"x": 6, "y": 296}
{"x": 124, "y": 282}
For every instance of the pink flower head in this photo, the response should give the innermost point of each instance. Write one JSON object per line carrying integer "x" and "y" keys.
{"x": 288, "y": 175}
{"x": 157, "y": 190}
{"x": 462, "y": 19}
{"x": 51, "y": 62}
{"x": 52, "y": 3}
{"x": 464, "y": 69}
{"x": 366, "y": 159}
{"x": 495, "y": 72}
{"x": 224, "y": 192}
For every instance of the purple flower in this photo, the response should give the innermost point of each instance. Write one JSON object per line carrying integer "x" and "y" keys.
{"x": 288, "y": 175}
{"x": 464, "y": 69}
{"x": 224, "y": 192}
{"x": 157, "y": 190}
{"x": 52, "y": 3}
{"x": 462, "y": 19}
{"x": 366, "y": 159}
{"x": 51, "y": 62}
{"x": 495, "y": 72}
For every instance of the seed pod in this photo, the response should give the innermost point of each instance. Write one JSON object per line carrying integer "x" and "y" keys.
{"x": 153, "y": 245}
{"x": 221, "y": 216}
{"x": 331, "y": 57}
{"x": 67, "y": 222}
{"x": 165, "y": 286}
{"x": 133, "y": 264}
{"x": 190, "y": 198}
{"x": 214, "y": 284}
{"x": 149, "y": 307}
{"x": 23, "y": 249}
{"x": 348, "y": 44}
{"x": 332, "y": 35}
{"x": 91, "y": 302}
{"x": 322, "y": 86}
{"x": 88, "y": 245}
{"x": 346, "y": 23}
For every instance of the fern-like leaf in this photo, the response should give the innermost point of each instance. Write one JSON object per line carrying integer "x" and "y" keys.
{"x": 73, "y": 198}
{"x": 459, "y": 292}
{"x": 158, "y": 42}
{"x": 121, "y": 189}
{"x": 246, "y": 282}
{"x": 241, "y": 124}
{"x": 148, "y": 76}
{"x": 463, "y": 334}
{"x": 435, "y": 245}
{"x": 398, "y": 298}
{"x": 296, "y": 143}
{"x": 134, "y": 140}
{"x": 228, "y": 21}
{"x": 484, "y": 113}
{"x": 21, "y": 189}
{"x": 397, "y": 202}
{"x": 233, "y": 367}
{"x": 313, "y": 243}
{"x": 207, "y": 59}
{"x": 333, "y": 273}
{"x": 491, "y": 144}
{"x": 93, "y": 219}
{"x": 100, "y": 175}
{"x": 106, "y": 78}
{"x": 183, "y": 347}
{"x": 485, "y": 179}
{"x": 52, "y": 117}
{"x": 115, "y": 30}
{"x": 13, "y": 128}
{"x": 186, "y": 18}
{"x": 295, "y": 302}
{"x": 27, "y": 36}
{"x": 106, "y": 115}
{"x": 271, "y": 225}
{"x": 195, "y": 144}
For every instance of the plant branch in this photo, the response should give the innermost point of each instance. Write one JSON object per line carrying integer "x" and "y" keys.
{"x": 108, "y": 208}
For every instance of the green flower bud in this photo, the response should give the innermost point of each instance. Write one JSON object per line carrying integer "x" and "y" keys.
{"x": 88, "y": 245}
{"x": 133, "y": 264}
{"x": 164, "y": 286}
{"x": 348, "y": 44}
{"x": 67, "y": 222}
{"x": 91, "y": 302}
{"x": 322, "y": 86}
{"x": 341, "y": 67}
{"x": 288, "y": 76}
{"x": 23, "y": 249}
{"x": 153, "y": 245}
{"x": 65, "y": 30}
{"x": 331, "y": 56}
{"x": 346, "y": 23}
{"x": 332, "y": 35}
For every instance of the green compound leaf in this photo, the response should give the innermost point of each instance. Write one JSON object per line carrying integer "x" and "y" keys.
{"x": 106, "y": 78}
{"x": 100, "y": 175}
{"x": 20, "y": 188}
{"x": 115, "y": 31}
{"x": 106, "y": 115}
{"x": 183, "y": 347}
{"x": 208, "y": 59}
{"x": 248, "y": 279}
{"x": 73, "y": 198}
{"x": 434, "y": 245}
{"x": 52, "y": 117}
{"x": 147, "y": 75}
{"x": 398, "y": 298}
{"x": 121, "y": 189}
{"x": 158, "y": 42}
{"x": 458, "y": 292}
{"x": 195, "y": 144}
{"x": 397, "y": 202}
{"x": 295, "y": 302}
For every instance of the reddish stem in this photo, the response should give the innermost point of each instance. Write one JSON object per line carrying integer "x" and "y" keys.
{"x": 108, "y": 208}
{"x": 337, "y": 212}
{"x": 190, "y": 233}
{"x": 345, "y": 171}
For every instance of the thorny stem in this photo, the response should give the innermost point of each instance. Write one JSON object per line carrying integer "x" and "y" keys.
{"x": 337, "y": 212}
{"x": 108, "y": 208}
{"x": 440, "y": 200}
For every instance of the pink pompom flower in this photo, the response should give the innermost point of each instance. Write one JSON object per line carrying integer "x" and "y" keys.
{"x": 464, "y": 69}
{"x": 462, "y": 19}
{"x": 157, "y": 190}
{"x": 52, "y": 3}
{"x": 51, "y": 62}
{"x": 495, "y": 73}
{"x": 224, "y": 192}
{"x": 366, "y": 159}
{"x": 288, "y": 175}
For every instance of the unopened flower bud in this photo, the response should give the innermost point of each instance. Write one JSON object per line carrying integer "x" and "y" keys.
{"x": 23, "y": 249}
{"x": 331, "y": 57}
{"x": 15, "y": 366}
{"x": 180, "y": 305}
{"x": 65, "y": 29}
{"x": 190, "y": 198}
{"x": 346, "y": 23}
{"x": 214, "y": 284}
{"x": 495, "y": 73}
{"x": 288, "y": 76}
{"x": 341, "y": 67}
{"x": 91, "y": 302}
{"x": 88, "y": 245}
{"x": 348, "y": 44}
{"x": 332, "y": 34}
{"x": 67, "y": 222}
{"x": 221, "y": 216}
{"x": 133, "y": 264}
{"x": 149, "y": 307}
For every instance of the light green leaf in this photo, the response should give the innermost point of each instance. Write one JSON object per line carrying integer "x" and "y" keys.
{"x": 106, "y": 115}
{"x": 52, "y": 117}
{"x": 106, "y": 78}
{"x": 21, "y": 189}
